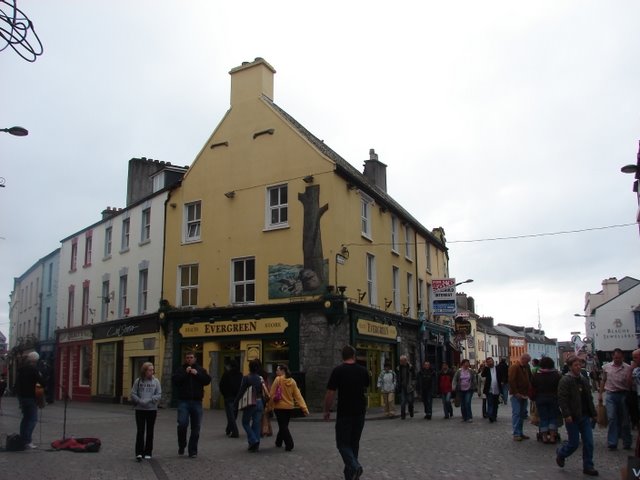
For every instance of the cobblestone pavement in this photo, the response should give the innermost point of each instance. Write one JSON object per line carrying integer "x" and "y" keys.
{"x": 390, "y": 449}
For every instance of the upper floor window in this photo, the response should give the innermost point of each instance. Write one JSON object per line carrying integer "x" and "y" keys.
{"x": 74, "y": 254}
{"x": 143, "y": 287}
{"x": 145, "y": 228}
{"x": 277, "y": 206}
{"x": 108, "y": 238}
{"x": 365, "y": 215}
{"x": 123, "y": 310}
{"x": 371, "y": 279}
{"x": 106, "y": 300}
{"x": 50, "y": 278}
{"x": 243, "y": 280}
{"x": 158, "y": 181}
{"x": 70, "y": 305}
{"x": 411, "y": 311}
{"x": 395, "y": 278}
{"x": 428, "y": 253}
{"x": 408, "y": 242}
{"x": 126, "y": 229}
{"x": 394, "y": 234}
{"x": 189, "y": 285}
{"x": 88, "y": 245}
{"x": 85, "y": 303}
{"x": 192, "y": 218}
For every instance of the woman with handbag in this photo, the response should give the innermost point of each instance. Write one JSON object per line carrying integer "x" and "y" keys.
{"x": 545, "y": 394}
{"x": 145, "y": 396}
{"x": 251, "y": 400}
{"x": 464, "y": 384}
{"x": 285, "y": 395}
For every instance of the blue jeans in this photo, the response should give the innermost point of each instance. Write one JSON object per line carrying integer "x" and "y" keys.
{"x": 505, "y": 392}
{"x": 518, "y": 412}
{"x": 29, "y": 418}
{"x": 619, "y": 422}
{"x": 348, "y": 433}
{"x": 446, "y": 405}
{"x": 232, "y": 414}
{"x": 548, "y": 412}
{"x": 251, "y": 421}
{"x": 575, "y": 430}
{"x": 189, "y": 411}
{"x": 493, "y": 401}
{"x": 465, "y": 404}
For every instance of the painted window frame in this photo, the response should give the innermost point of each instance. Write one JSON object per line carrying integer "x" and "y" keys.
{"x": 88, "y": 249}
{"x": 125, "y": 238}
{"x": 372, "y": 286}
{"x": 108, "y": 241}
{"x": 145, "y": 225}
{"x": 192, "y": 222}
{"x": 276, "y": 206}
{"x": 395, "y": 288}
{"x": 366, "y": 209}
{"x": 189, "y": 288}
{"x": 395, "y": 244}
{"x": 123, "y": 286}
{"x": 143, "y": 290}
{"x": 247, "y": 283}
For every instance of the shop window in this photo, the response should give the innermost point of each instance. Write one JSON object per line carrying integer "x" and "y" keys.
{"x": 85, "y": 366}
{"x": 275, "y": 352}
{"x": 136, "y": 366}
{"x": 106, "y": 368}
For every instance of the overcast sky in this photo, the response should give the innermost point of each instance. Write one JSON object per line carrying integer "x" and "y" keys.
{"x": 495, "y": 119}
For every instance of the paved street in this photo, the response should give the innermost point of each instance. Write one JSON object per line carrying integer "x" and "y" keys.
{"x": 390, "y": 449}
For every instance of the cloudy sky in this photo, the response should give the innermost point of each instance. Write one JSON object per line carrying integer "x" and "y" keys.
{"x": 495, "y": 119}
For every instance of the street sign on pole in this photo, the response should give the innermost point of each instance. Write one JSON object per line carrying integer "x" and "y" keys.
{"x": 444, "y": 296}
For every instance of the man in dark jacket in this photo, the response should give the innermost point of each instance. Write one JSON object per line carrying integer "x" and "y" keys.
{"x": 25, "y": 388}
{"x": 503, "y": 372}
{"x": 576, "y": 404}
{"x": 229, "y": 387}
{"x": 426, "y": 379}
{"x": 189, "y": 382}
{"x": 494, "y": 380}
{"x": 405, "y": 385}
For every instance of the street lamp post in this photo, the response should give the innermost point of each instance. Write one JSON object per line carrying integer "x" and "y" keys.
{"x": 468, "y": 280}
{"x": 635, "y": 170}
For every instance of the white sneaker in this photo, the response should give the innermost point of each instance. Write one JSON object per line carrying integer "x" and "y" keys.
{"x": 147, "y": 457}
{"x": 30, "y": 445}
{"x": 139, "y": 458}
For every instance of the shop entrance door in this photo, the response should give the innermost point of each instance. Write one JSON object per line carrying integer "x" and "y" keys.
{"x": 372, "y": 357}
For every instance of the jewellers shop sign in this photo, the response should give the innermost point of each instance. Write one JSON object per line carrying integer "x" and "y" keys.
{"x": 444, "y": 296}
{"x": 125, "y": 329}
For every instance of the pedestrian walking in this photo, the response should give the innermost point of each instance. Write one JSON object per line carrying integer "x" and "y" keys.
{"x": 576, "y": 405}
{"x": 285, "y": 396}
{"x": 3, "y": 388}
{"x": 464, "y": 384}
{"x": 25, "y": 387}
{"x": 493, "y": 382}
{"x": 265, "y": 422}
{"x": 445, "y": 379}
{"x": 387, "y": 386}
{"x": 545, "y": 385}
{"x": 426, "y": 380}
{"x": 145, "y": 395}
{"x": 189, "y": 382}
{"x": 519, "y": 385}
{"x": 229, "y": 387}
{"x": 503, "y": 372}
{"x": 481, "y": 392}
{"x": 351, "y": 381}
{"x": 252, "y": 414}
{"x": 406, "y": 385}
{"x": 615, "y": 382}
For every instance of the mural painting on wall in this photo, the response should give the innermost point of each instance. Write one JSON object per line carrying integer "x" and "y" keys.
{"x": 294, "y": 280}
{"x": 311, "y": 277}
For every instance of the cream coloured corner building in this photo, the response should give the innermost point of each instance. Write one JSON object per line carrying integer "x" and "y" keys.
{"x": 277, "y": 248}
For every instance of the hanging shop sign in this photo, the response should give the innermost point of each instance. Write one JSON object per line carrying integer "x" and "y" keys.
{"x": 75, "y": 335}
{"x": 375, "y": 329}
{"x": 444, "y": 296}
{"x": 223, "y": 328}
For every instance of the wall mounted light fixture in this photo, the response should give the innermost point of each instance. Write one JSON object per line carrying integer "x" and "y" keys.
{"x": 269, "y": 131}
{"x": 308, "y": 179}
{"x": 230, "y": 194}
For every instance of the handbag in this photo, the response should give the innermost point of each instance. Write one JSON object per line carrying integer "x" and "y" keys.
{"x": 602, "y": 421}
{"x": 277, "y": 395}
{"x": 456, "y": 399}
{"x": 248, "y": 398}
{"x": 265, "y": 392}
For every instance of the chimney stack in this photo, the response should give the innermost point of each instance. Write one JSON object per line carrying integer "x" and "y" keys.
{"x": 375, "y": 171}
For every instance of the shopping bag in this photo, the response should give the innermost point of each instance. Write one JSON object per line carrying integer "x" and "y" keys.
{"x": 603, "y": 421}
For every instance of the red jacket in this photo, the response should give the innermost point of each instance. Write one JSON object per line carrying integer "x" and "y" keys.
{"x": 444, "y": 382}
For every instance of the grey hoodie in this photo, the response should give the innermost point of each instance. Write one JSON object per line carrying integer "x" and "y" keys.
{"x": 145, "y": 394}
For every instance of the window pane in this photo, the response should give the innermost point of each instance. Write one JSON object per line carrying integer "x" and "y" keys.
{"x": 251, "y": 269}
{"x": 239, "y": 289}
{"x": 250, "y": 292}
{"x": 283, "y": 214}
{"x": 283, "y": 195}
{"x": 194, "y": 296}
{"x": 194, "y": 275}
{"x": 238, "y": 271}
{"x": 184, "y": 276}
{"x": 273, "y": 197}
{"x": 274, "y": 216}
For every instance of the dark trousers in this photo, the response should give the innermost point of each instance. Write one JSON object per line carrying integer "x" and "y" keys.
{"x": 406, "y": 399}
{"x": 427, "y": 401}
{"x": 145, "y": 423}
{"x": 493, "y": 401}
{"x": 232, "y": 415}
{"x": 284, "y": 435}
{"x": 29, "y": 418}
{"x": 348, "y": 433}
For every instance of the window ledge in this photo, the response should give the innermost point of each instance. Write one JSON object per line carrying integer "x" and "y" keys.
{"x": 144, "y": 242}
{"x": 395, "y": 252}
{"x": 108, "y": 257}
{"x": 124, "y": 250}
{"x": 366, "y": 237}
{"x": 86, "y": 265}
{"x": 270, "y": 228}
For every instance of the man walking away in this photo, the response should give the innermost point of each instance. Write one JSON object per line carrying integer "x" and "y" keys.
{"x": 426, "y": 378}
{"x": 406, "y": 378}
{"x": 519, "y": 383}
{"x": 576, "y": 404}
{"x": 189, "y": 381}
{"x": 229, "y": 387}
{"x": 615, "y": 381}
{"x": 351, "y": 381}
{"x": 503, "y": 372}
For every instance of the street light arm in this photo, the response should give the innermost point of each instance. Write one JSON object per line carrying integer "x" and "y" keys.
{"x": 16, "y": 131}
